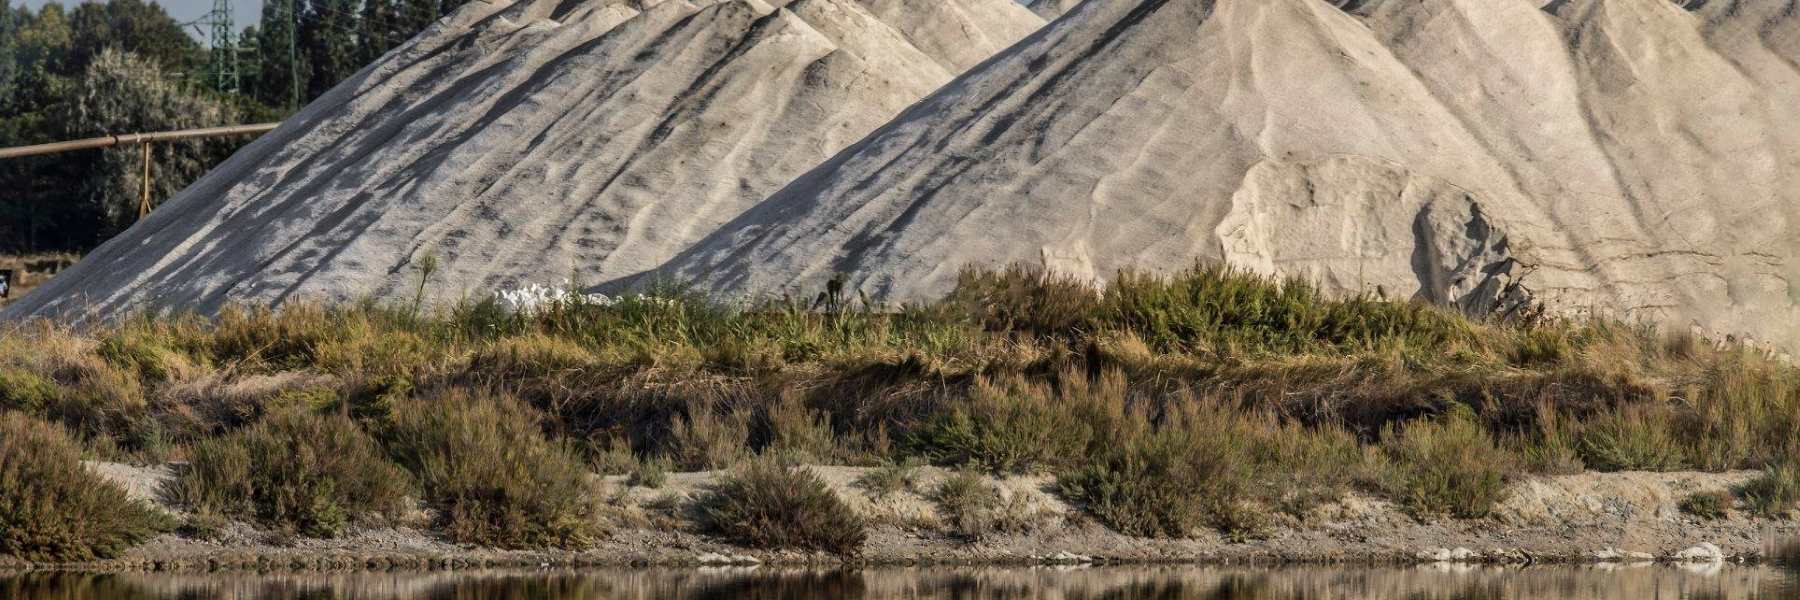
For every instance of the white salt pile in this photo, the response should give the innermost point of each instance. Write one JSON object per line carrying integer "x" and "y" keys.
{"x": 1637, "y": 156}
{"x": 536, "y": 140}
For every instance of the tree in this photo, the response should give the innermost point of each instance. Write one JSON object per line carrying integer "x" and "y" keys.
{"x": 377, "y": 31}
{"x": 121, "y": 93}
{"x": 280, "y": 66}
{"x": 132, "y": 26}
{"x": 328, "y": 38}
{"x": 8, "y": 40}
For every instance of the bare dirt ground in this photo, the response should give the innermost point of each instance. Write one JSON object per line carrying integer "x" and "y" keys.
{"x": 1596, "y": 517}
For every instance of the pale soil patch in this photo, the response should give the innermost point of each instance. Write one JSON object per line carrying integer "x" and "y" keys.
{"x": 1564, "y": 518}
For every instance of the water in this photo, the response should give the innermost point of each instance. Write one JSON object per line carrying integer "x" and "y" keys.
{"x": 1409, "y": 583}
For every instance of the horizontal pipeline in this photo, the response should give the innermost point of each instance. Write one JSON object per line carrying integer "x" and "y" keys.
{"x": 134, "y": 138}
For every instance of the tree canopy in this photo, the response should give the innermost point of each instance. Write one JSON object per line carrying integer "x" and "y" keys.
{"x": 124, "y": 66}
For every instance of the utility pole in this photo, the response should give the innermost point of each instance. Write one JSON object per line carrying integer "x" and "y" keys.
{"x": 220, "y": 35}
{"x": 293, "y": 8}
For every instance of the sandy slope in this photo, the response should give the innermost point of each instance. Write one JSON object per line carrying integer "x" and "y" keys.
{"x": 533, "y": 141}
{"x": 1636, "y": 156}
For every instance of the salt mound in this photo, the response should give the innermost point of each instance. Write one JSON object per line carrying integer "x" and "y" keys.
{"x": 1050, "y": 9}
{"x": 536, "y": 141}
{"x": 1637, "y": 156}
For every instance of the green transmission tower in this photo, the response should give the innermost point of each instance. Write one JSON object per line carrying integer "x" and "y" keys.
{"x": 223, "y": 37}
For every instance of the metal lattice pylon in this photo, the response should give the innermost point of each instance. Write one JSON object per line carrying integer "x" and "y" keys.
{"x": 223, "y": 38}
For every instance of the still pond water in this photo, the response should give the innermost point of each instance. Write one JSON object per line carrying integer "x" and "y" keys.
{"x": 1420, "y": 583}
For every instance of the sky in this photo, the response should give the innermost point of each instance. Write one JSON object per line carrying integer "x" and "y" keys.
{"x": 244, "y": 12}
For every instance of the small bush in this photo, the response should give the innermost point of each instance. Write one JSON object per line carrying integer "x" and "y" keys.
{"x": 615, "y": 459}
{"x": 52, "y": 509}
{"x": 1448, "y": 465}
{"x": 1775, "y": 492}
{"x": 136, "y": 349}
{"x": 1169, "y": 481}
{"x": 769, "y": 505}
{"x": 1006, "y": 427}
{"x": 799, "y": 433}
{"x": 705, "y": 439}
{"x": 1555, "y": 448}
{"x": 307, "y": 474}
{"x": 888, "y": 479}
{"x": 26, "y": 391}
{"x": 1632, "y": 438}
{"x": 651, "y": 473}
{"x": 975, "y": 509}
{"x": 484, "y": 462}
{"x": 1026, "y": 298}
{"x": 1707, "y": 505}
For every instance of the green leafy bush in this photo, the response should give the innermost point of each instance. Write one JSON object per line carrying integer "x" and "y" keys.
{"x": 52, "y": 509}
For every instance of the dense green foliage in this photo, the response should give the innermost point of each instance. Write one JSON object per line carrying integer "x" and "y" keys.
{"x": 52, "y": 508}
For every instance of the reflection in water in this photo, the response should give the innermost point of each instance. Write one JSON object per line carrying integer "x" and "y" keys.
{"x": 1298, "y": 583}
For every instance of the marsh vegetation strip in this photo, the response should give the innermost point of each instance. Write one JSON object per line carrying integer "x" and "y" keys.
{"x": 1414, "y": 583}
{"x": 1215, "y": 410}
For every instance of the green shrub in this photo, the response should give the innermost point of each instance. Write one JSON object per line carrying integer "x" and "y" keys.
{"x": 615, "y": 459}
{"x": 705, "y": 439}
{"x": 1211, "y": 308}
{"x": 888, "y": 479}
{"x": 1026, "y": 298}
{"x": 765, "y": 504}
{"x": 1168, "y": 481}
{"x": 26, "y": 391}
{"x": 975, "y": 509}
{"x": 650, "y": 473}
{"x": 1006, "y": 427}
{"x": 1447, "y": 465}
{"x": 52, "y": 509}
{"x": 799, "y": 433}
{"x": 1775, "y": 492}
{"x": 311, "y": 475}
{"x": 136, "y": 349}
{"x": 1632, "y": 438}
{"x": 1707, "y": 505}
{"x": 485, "y": 463}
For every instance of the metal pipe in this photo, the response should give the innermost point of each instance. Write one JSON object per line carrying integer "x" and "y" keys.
{"x": 134, "y": 138}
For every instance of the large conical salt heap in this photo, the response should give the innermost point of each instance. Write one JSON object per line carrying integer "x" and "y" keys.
{"x": 536, "y": 141}
{"x": 1636, "y": 156}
